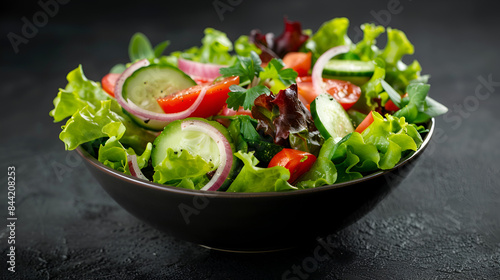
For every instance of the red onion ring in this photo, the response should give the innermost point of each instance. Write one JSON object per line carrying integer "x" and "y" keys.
{"x": 134, "y": 167}
{"x": 317, "y": 72}
{"x": 144, "y": 114}
{"x": 199, "y": 70}
{"x": 225, "y": 151}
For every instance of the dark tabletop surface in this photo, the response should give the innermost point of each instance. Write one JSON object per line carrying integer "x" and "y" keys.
{"x": 442, "y": 222}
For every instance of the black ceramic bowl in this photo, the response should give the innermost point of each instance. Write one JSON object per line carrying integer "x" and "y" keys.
{"x": 251, "y": 221}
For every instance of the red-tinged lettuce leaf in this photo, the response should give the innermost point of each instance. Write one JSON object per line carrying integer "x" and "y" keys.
{"x": 285, "y": 118}
{"x": 290, "y": 40}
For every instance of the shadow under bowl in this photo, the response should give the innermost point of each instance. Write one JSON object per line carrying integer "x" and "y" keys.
{"x": 251, "y": 222}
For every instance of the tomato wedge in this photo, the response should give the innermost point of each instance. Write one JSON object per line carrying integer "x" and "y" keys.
{"x": 344, "y": 92}
{"x": 365, "y": 123}
{"x": 108, "y": 83}
{"x": 298, "y": 61}
{"x": 297, "y": 162}
{"x": 390, "y": 106}
{"x": 213, "y": 102}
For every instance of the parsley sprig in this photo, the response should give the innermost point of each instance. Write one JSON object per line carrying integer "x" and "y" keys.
{"x": 255, "y": 78}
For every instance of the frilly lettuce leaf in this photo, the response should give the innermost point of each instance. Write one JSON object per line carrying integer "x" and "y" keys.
{"x": 79, "y": 92}
{"x": 380, "y": 146}
{"x": 277, "y": 46}
{"x": 372, "y": 88}
{"x": 94, "y": 115}
{"x": 366, "y": 49}
{"x": 181, "y": 165}
{"x": 285, "y": 118}
{"x": 331, "y": 34}
{"x": 391, "y": 136}
{"x": 215, "y": 48}
{"x": 89, "y": 124}
{"x": 243, "y": 46}
{"x": 398, "y": 74}
{"x": 397, "y": 46}
{"x": 401, "y": 75}
{"x": 192, "y": 183}
{"x": 113, "y": 154}
{"x": 256, "y": 179}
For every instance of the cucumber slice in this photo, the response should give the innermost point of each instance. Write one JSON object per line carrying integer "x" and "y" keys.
{"x": 348, "y": 68}
{"x": 330, "y": 118}
{"x": 149, "y": 83}
{"x": 195, "y": 142}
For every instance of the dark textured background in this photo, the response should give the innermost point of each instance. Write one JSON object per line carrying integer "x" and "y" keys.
{"x": 442, "y": 222}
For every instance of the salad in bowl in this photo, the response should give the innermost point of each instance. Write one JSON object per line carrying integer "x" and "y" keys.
{"x": 264, "y": 113}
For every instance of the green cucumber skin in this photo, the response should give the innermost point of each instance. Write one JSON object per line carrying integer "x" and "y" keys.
{"x": 160, "y": 148}
{"x": 319, "y": 107}
{"x": 153, "y": 82}
{"x": 166, "y": 79}
{"x": 348, "y": 68}
{"x": 153, "y": 125}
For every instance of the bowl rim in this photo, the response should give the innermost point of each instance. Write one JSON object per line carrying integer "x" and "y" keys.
{"x": 234, "y": 195}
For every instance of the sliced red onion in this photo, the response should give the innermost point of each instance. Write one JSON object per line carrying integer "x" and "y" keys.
{"x": 225, "y": 152}
{"x": 134, "y": 167}
{"x": 147, "y": 115}
{"x": 317, "y": 72}
{"x": 199, "y": 70}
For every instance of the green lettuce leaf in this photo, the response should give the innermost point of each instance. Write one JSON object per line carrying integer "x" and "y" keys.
{"x": 243, "y": 46}
{"x": 79, "y": 92}
{"x": 215, "y": 48}
{"x": 94, "y": 115}
{"x": 192, "y": 183}
{"x": 255, "y": 179}
{"x": 398, "y": 74}
{"x": 380, "y": 146}
{"x": 366, "y": 49}
{"x": 331, "y": 34}
{"x": 372, "y": 88}
{"x": 89, "y": 124}
{"x": 397, "y": 46}
{"x": 181, "y": 165}
{"x": 401, "y": 75}
{"x": 323, "y": 171}
{"x": 114, "y": 155}
{"x": 418, "y": 107}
